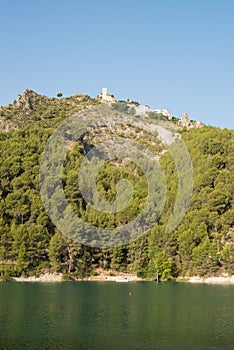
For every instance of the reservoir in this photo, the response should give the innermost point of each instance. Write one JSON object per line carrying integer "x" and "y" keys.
{"x": 116, "y": 316}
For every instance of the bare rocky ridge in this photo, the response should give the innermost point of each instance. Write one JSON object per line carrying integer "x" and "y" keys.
{"x": 28, "y": 99}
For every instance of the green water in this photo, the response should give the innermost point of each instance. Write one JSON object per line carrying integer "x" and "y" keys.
{"x": 102, "y": 316}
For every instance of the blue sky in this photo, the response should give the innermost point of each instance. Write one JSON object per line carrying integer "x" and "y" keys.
{"x": 173, "y": 54}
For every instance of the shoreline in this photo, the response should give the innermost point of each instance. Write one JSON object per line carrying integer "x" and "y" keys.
{"x": 106, "y": 276}
{"x": 221, "y": 280}
{"x": 47, "y": 278}
{"x": 103, "y": 276}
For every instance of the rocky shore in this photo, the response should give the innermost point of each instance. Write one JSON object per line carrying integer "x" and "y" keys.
{"x": 107, "y": 276}
{"x": 47, "y": 277}
{"x": 100, "y": 276}
{"x": 225, "y": 279}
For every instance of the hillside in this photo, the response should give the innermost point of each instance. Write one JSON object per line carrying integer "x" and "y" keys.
{"x": 31, "y": 108}
{"x": 203, "y": 243}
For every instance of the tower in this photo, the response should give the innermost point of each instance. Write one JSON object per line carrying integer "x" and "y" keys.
{"x": 104, "y": 93}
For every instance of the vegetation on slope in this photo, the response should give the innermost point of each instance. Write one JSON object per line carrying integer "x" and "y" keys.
{"x": 203, "y": 243}
{"x": 31, "y": 108}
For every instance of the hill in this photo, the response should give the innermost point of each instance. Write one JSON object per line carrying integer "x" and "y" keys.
{"x": 203, "y": 243}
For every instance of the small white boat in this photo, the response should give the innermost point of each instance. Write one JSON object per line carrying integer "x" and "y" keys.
{"x": 121, "y": 279}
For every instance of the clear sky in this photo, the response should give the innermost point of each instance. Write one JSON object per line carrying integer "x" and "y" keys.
{"x": 174, "y": 54}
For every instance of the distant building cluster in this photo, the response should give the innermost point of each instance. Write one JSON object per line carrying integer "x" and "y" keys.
{"x": 185, "y": 121}
{"x": 164, "y": 112}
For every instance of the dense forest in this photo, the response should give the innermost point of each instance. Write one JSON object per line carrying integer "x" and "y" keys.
{"x": 203, "y": 244}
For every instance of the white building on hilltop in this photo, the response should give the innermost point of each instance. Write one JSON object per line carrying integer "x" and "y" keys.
{"x": 105, "y": 97}
{"x": 164, "y": 112}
